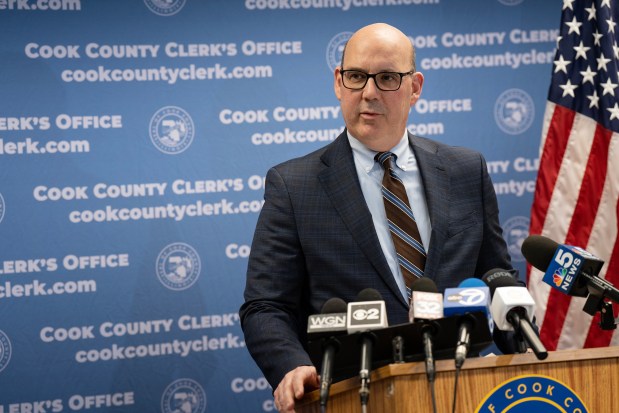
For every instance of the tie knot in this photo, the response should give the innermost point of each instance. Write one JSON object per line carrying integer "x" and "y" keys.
{"x": 384, "y": 158}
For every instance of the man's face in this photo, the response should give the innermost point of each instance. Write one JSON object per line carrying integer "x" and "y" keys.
{"x": 378, "y": 118}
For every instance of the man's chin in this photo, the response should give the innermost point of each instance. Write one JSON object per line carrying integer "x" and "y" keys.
{"x": 372, "y": 129}
{"x": 369, "y": 136}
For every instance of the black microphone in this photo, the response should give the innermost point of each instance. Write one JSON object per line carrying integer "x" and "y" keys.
{"x": 365, "y": 314}
{"x": 567, "y": 268}
{"x": 512, "y": 308}
{"x": 330, "y": 321}
{"x": 426, "y": 304}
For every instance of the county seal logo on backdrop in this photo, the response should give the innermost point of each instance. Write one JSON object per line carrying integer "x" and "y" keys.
{"x": 165, "y": 7}
{"x": 335, "y": 49}
{"x": 183, "y": 396}
{"x": 178, "y": 266}
{"x": 5, "y": 350}
{"x": 514, "y": 111}
{"x": 515, "y": 231}
{"x": 171, "y": 130}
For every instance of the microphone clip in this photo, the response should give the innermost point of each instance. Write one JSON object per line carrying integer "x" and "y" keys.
{"x": 597, "y": 303}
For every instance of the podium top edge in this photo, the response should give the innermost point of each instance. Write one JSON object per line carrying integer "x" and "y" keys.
{"x": 497, "y": 361}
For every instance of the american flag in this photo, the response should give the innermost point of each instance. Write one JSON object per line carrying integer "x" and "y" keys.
{"x": 577, "y": 190}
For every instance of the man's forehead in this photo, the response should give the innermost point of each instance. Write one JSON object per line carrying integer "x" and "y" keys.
{"x": 378, "y": 45}
{"x": 378, "y": 61}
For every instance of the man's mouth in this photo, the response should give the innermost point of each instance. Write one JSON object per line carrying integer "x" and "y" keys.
{"x": 369, "y": 114}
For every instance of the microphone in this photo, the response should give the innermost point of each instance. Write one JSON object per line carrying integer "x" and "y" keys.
{"x": 365, "y": 314}
{"x": 426, "y": 305}
{"x": 331, "y": 320}
{"x": 512, "y": 308}
{"x": 567, "y": 268}
{"x": 426, "y": 301}
{"x": 472, "y": 295}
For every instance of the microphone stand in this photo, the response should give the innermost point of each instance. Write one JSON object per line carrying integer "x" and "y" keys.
{"x": 367, "y": 341}
{"x": 427, "y": 349}
{"x": 427, "y": 334}
{"x": 331, "y": 348}
{"x": 462, "y": 346}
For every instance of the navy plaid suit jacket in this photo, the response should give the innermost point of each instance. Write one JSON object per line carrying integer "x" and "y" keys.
{"x": 315, "y": 240}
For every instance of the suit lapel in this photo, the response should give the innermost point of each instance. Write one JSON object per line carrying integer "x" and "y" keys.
{"x": 436, "y": 185}
{"x": 341, "y": 183}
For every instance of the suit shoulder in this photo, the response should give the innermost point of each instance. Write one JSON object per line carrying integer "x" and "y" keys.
{"x": 445, "y": 149}
{"x": 306, "y": 159}
{"x": 457, "y": 154}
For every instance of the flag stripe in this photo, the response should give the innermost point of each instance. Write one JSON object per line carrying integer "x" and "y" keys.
{"x": 555, "y": 143}
{"x": 557, "y": 125}
{"x": 591, "y": 188}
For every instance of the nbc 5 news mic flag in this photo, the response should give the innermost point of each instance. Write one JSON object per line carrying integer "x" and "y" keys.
{"x": 577, "y": 186}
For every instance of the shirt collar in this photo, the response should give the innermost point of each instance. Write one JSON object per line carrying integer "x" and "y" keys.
{"x": 365, "y": 157}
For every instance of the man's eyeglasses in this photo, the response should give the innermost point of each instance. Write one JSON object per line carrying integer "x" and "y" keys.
{"x": 387, "y": 81}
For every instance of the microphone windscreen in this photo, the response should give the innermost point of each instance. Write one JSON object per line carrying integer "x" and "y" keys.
{"x": 426, "y": 301}
{"x": 367, "y": 312}
{"x": 497, "y": 278}
{"x": 472, "y": 283}
{"x": 334, "y": 305}
{"x": 369, "y": 294}
{"x": 425, "y": 285}
{"x": 330, "y": 321}
{"x": 538, "y": 251}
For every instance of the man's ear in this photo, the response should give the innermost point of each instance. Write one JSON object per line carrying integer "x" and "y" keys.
{"x": 417, "y": 86}
{"x": 337, "y": 83}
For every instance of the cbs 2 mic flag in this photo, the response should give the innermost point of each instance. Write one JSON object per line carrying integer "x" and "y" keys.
{"x": 577, "y": 187}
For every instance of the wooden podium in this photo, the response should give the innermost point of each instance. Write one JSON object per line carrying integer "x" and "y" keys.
{"x": 593, "y": 374}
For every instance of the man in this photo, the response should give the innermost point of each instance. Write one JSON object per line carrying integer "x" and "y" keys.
{"x": 323, "y": 230}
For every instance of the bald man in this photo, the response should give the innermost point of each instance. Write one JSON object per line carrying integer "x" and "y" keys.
{"x": 323, "y": 230}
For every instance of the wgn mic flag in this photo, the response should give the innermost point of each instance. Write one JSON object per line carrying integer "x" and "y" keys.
{"x": 577, "y": 185}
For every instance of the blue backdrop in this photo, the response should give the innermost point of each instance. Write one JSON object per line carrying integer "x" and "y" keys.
{"x": 134, "y": 141}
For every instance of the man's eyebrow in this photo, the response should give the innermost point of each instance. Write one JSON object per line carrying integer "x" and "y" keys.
{"x": 366, "y": 71}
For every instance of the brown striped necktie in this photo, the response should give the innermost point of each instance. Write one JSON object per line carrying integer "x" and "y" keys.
{"x": 402, "y": 225}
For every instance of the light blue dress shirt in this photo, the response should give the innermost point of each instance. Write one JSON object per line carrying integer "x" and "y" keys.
{"x": 370, "y": 175}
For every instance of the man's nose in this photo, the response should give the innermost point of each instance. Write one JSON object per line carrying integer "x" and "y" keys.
{"x": 370, "y": 91}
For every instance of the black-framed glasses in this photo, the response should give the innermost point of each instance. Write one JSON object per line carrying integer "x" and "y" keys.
{"x": 387, "y": 81}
